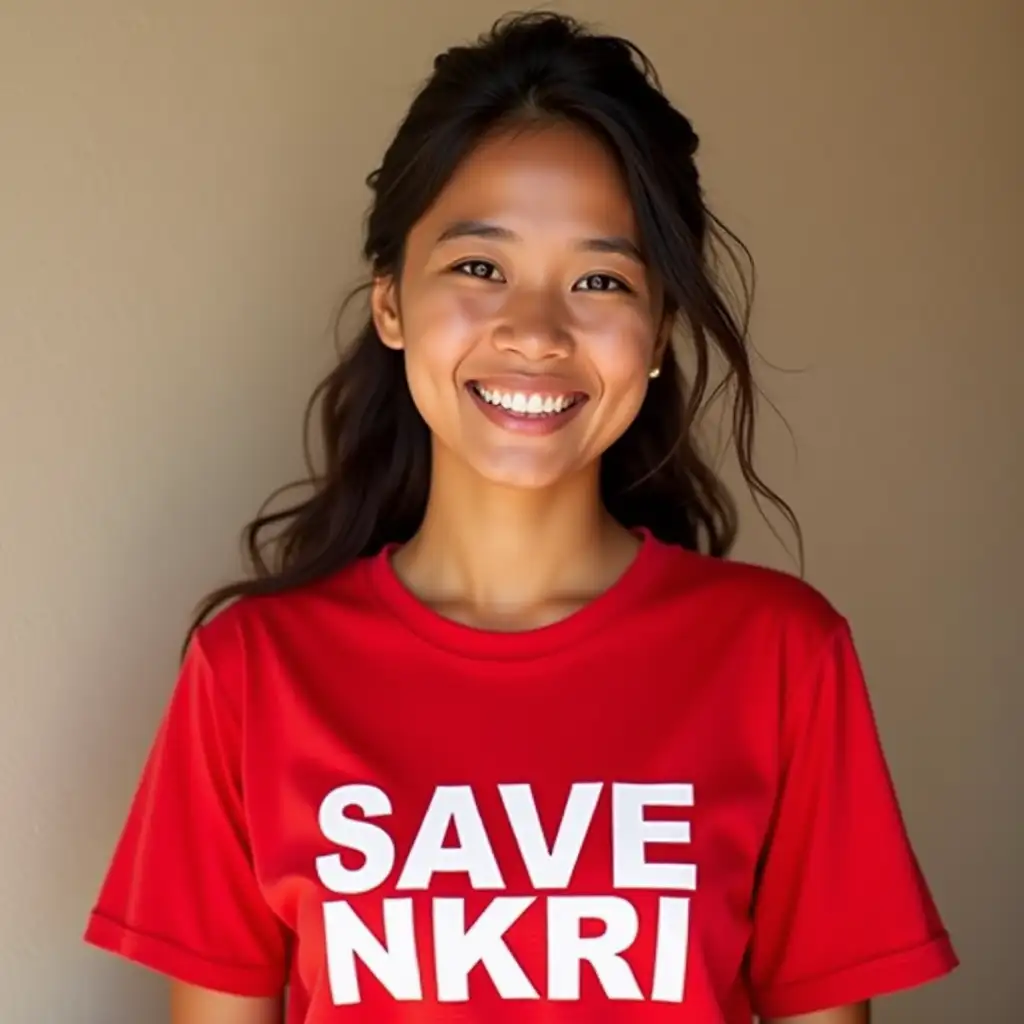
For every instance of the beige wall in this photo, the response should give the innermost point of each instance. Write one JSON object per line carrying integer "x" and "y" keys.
{"x": 180, "y": 194}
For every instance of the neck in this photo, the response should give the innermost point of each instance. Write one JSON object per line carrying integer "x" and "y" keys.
{"x": 486, "y": 553}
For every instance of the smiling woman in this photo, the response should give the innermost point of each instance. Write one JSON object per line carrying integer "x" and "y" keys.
{"x": 497, "y": 733}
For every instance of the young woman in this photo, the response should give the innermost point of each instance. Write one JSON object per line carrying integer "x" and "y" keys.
{"x": 499, "y": 736}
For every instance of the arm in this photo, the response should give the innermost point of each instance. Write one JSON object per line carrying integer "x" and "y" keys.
{"x": 193, "y": 1005}
{"x": 181, "y": 896}
{"x": 858, "y": 1014}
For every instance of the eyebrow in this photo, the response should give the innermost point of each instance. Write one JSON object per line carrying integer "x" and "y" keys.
{"x": 615, "y": 244}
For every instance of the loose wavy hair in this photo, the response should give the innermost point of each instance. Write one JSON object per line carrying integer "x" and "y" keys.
{"x": 372, "y": 486}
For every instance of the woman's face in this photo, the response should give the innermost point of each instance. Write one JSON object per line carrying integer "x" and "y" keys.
{"x": 528, "y": 317}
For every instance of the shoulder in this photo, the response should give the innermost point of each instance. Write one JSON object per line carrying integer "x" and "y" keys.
{"x": 771, "y": 641}
{"x": 254, "y": 633}
{"x": 745, "y": 588}
{"x": 749, "y": 604}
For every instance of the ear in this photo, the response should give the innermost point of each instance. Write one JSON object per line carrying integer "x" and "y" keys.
{"x": 663, "y": 339}
{"x": 385, "y": 310}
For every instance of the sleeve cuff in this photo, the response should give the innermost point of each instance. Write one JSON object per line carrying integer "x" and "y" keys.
{"x": 893, "y": 973}
{"x": 181, "y": 964}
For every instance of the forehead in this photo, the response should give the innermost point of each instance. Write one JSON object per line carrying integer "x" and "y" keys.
{"x": 532, "y": 178}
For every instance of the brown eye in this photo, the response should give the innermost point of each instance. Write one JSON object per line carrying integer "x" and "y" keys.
{"x": 482, "y": 269}
{"x": 601, "y": 283}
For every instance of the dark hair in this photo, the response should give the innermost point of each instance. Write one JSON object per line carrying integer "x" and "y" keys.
{"x": 373, "y": 487}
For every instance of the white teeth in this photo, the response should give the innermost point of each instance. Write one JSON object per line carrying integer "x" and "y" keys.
{"x": 526, "y": 403}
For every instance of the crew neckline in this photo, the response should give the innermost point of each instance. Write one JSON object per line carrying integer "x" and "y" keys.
{"x": 497, "y": 645}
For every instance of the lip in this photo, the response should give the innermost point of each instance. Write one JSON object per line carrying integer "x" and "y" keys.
{"x": 517, "y": 423}
{"x": 539, "y": 385}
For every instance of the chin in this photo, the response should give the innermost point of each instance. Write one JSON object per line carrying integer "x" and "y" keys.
{"x": 522, "y": 475}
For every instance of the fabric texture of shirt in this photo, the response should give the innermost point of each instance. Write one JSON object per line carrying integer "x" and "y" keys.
{"x": 671, "y": 806}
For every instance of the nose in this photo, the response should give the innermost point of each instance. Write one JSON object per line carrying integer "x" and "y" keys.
{"x": 534, "y": 325}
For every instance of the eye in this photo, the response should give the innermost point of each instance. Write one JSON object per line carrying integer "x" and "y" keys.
{"x": 601, "y": 283}
{"x": 484, "y": 270}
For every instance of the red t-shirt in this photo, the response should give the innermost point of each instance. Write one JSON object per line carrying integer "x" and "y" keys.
{"x": 671, "y": 806}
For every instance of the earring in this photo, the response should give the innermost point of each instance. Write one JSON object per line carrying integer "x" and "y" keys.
{"x": 655, "y": 373}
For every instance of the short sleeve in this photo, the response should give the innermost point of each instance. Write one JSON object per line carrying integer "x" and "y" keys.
{"x": 181, "y": 895}
{"x": 842, "y": 913}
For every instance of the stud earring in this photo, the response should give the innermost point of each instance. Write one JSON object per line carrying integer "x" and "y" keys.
{"x": 655, "y": 373}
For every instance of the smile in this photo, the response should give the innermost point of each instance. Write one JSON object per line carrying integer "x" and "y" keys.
{"x": 527, "y": 403}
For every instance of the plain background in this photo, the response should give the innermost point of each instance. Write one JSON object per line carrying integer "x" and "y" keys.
{"x": 181, "y": 193}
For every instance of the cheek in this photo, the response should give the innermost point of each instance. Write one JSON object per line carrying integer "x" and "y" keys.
{"x": 621, "y": 352}
{"x": 441, "y": 328}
